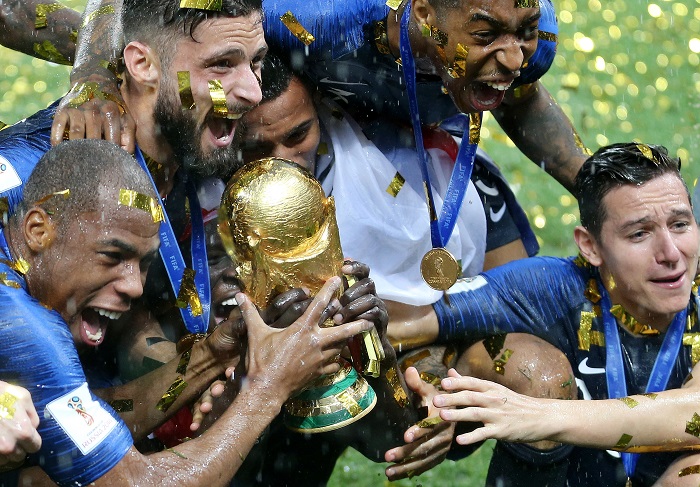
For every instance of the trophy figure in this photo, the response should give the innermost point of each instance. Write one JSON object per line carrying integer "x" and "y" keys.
{"x": 280, "y": 230}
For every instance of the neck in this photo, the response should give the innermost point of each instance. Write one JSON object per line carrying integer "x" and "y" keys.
{"x": 419, "y": 44}
{"x": 149, "y": 139}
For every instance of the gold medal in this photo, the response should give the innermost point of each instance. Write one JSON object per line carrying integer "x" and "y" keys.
{"x": 439, "y": 269}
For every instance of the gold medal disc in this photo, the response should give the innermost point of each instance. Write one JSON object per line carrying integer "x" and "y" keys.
{"x": 439, "y": 269}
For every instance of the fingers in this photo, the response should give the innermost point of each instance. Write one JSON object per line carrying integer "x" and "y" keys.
{"x": 286, "y": 308}
{"x": 427, "y": 451}
{"x": 314, "y": 314}
{"x": 356, "y": 269}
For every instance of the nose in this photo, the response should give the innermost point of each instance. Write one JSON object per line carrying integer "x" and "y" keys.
{"x": 130, "y": 283}
{"x": 511, "y": 54}
{"x": 667, "y": 251}
{"x": 245, "y": 89}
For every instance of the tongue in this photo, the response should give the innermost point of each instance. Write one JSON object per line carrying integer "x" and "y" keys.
{"x": 93, "y": 327}
{"x": 218, "y": 127}
{"x": 485, "y": 98}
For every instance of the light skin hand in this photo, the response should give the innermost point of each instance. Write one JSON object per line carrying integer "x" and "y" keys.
{"x": 18, "y": 434}
{"x": 426, "y": 447}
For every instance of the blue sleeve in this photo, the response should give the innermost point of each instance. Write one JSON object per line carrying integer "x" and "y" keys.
{"x": 82, "y": 437}
{"x": 21, "y": 147}
{"x": 540, "y": 62}
{"x": 534, "y": 295}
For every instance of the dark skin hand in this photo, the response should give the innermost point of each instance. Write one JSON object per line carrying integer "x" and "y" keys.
{"x": 55, "y": 42}
{"x": 104, "y": 116}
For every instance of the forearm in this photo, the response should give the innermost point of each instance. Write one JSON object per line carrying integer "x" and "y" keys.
{"x": 635, "y": 424}
{"x": 48, "y": 34}
{"x": 154, "y": 397}
{"x": 410, "y": 326}
{"x": 543, "y": 132}
{"x": 100, "y": 42}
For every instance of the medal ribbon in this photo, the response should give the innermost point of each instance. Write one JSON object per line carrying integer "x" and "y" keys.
{"x": 440, "y": 228}
{"x": 174, "y": 261}
{"x": 614, "y": 365}
{"x": 4, "y": 247}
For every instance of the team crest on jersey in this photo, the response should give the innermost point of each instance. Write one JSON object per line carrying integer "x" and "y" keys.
{"x": 83, "y": 419}
{"x": 8, "y": 176}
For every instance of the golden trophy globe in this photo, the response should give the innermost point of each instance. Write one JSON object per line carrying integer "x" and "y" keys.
{"x": 280, "y": 230}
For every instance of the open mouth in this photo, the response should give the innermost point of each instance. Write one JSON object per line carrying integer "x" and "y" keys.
{"x": 670, "y": 282}
{"x": 94, "y": 323}
{"x": 224, "y": 308}
{"x": 222, "y": 129}
{"x": 488, "y": 95}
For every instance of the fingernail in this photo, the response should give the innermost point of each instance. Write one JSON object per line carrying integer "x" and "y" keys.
{"x": 306, "y": 290}
{"x": 390, "y": 472}
{"x": 410, "y": 436}
{"x": 240, "y": 297}
{"x": 446, "y": 383}
{"x": 439, "y": 401}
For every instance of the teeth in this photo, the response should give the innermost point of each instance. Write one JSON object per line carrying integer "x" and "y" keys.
{"x": 94, "y": 337}
{"x": 233, "y": 116}
{"x": 230, "y": 302}
{"x": 112, "y": 315}
{"x": 498, "y": 86}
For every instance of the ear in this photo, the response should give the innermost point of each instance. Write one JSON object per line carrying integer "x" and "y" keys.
{"x": 423, "y": 12}
{"x": 588, "y": 246}
{"x": 142, "y": 64}
{"x": 38, "y": 229}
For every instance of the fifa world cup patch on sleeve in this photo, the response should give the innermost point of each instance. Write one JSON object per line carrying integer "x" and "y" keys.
{"x": 84, "y": 420}
{"x": 8, "y": 176}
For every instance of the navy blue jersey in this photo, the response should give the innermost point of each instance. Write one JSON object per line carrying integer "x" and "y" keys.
{"x": 546, "y": 296}
{"x": 82, "y": 437}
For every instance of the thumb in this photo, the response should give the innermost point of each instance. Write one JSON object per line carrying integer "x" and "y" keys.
{"x": 417, "y": 385}
{"x": 251, "y": 316}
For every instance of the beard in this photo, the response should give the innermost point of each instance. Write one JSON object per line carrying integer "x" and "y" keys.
{"x": 180, "y": 130}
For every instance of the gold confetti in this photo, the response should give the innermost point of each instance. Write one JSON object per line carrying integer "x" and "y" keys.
{"x": 592, "y": 293}
{"x": 7, "y": 405}
{"x": 6, "y": 282}
{"x": 291, "y": 22}
{"x": 414, "y": 359}
{"x": 646, "y": 151}
{"x": 547, "y": 36}
{"x": 494, "y": 344}
{"x": 429, "y": 422}
{"x": 188, "y": 293}
{"x": 185, "y": 88}
{"x": 581, "y": 145}
{"x": 20, "y": 265}
{"x": 692, "y": 470}
{"x": 215, "y": 5}
{"x": 450, "y": 356}
{"x": 218, "y": 98}
{"x": 459, "y": 65}
{"x": 436, "y": 34}
{"x": 171, "y": 394}
{"x": 524, "y": 90}
{"x": 322, "y": 149}
{"x": 400, "y": 396}
{"x": 104, "y": 10}
{"x": 393, "y": 4}
{"x": 396, "y": 185}
{"x": 73, "y": 36}
{"x": 184, "y": 362}
{"x": 42, "y": 10}
{"x": 631, "y": 323}
{"x": 474, "y": 127}
{"x": 527, "y": 4}
{"x": 2, "y": 125}
{"x": 584, "y": 330}
{"x": 623, "y": 442}
{"x": 46, "y": 50}
{"x": 499, "y": 365}
{"x": 349, "y": 403}
{"x": 177, "y": 453}
{"x": 650, "y": 395}
{"x": 429, "y": 378}
{"x": 597, "y": 338}
{"x": 628, "y": 401}
{"x": 143, "y": 202}
{"x": 122, "y": 405}
{"x": 692, "y": 427}
{"x": 65, "y": 193}
{"x": 693, "y": 340}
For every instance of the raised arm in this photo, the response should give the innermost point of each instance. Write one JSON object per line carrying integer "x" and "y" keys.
{"x": 665, "y": 422}
{"x": 543, "y": 132}
{"x": 18, "y": 424}
{"x": 47, "y": 30}
{"x": 103, "y": 115}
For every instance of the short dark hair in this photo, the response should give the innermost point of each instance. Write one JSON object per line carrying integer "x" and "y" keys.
{"x": 616, "y": 165}
{"x": 276, "y": 77}
{"x": 160, "y": 23}
{"x": 83, "y": 167}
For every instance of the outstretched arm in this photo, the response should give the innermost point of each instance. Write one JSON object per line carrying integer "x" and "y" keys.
{"x": 18, "y": 424}
{"x": 543, "y": 132}
{"x": 47, "y": 30}
{"x": 665, "y": 422}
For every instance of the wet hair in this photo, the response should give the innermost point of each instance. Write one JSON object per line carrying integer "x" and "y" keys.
{"x": 276, "y": 77}
{"x": 161, "y": 23}
{"x": 614, "y": 166}
{"x": 84, "y": 167}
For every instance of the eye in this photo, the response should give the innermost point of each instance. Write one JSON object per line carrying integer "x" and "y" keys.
{"x": 680, "y": 226}
{"x": 484, "y": 36}
{"x": 637, "y": 235}
{"x": 529, "y": 32}
{"x": 112, "y": 257}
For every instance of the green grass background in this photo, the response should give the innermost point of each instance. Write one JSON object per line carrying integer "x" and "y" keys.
{"x": 625, "y": 70}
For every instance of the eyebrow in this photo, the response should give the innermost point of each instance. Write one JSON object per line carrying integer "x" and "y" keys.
{"x": 236, "y": 52}
{"x": 299, "y": 129}
{"x": 685, "y": 213}
{"x": 120, "y": 244}
{"x": 479, "y": 17}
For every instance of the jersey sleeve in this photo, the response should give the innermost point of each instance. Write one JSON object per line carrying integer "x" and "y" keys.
{"x": 533, "y": 295}
{"x": 82, "y": 437}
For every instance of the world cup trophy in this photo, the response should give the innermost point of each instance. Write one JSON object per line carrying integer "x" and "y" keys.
{"x": 280, "y": 230}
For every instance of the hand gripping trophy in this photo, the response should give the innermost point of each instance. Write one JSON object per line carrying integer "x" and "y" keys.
{"x": 280, "y": 230}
